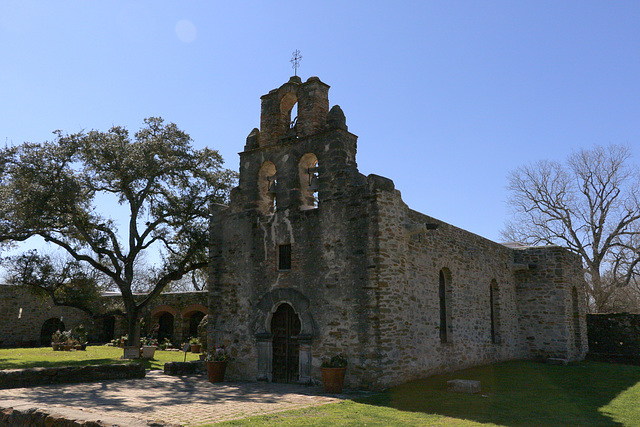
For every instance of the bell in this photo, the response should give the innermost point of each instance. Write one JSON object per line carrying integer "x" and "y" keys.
{"x": 272, "y": 188}
{"x": 313, "y": 183}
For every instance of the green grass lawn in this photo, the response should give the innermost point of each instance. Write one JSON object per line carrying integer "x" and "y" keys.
{"x": 519, "y": 393}
{"x": 513, "y": 394}
{"x": 17, "y": 358}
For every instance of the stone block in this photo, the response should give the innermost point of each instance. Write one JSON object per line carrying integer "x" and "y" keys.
{"x": 464, "y": 386}
{"x": 557, "y": 361}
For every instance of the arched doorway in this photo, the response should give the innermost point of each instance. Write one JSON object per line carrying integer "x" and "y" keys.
{"x": 108, "y": 328}
{"x": 194, "y": 321}
{"x": 165, "y": 326}
{"x": 285, "y": 327}
{"x": 48, "y": 328}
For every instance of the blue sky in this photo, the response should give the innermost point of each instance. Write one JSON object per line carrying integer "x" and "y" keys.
{"x": 446, "y": 97}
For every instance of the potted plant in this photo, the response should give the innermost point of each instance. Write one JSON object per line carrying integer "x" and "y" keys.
{"x": 217, "y": 360}
{"x": 195, "y": 344}
{"x": 149, "y": 346}
{"x": 333, "y": 371}
{"x": 81, "y": 337}
{"x": 67, "y": 341}
{"x": 165, "y": 344}
{"x": 56, "y": 340}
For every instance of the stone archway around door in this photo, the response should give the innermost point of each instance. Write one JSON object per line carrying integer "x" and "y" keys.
{"x": 267, "y": 307}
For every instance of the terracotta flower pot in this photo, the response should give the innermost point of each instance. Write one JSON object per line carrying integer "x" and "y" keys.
{"x": 215, "y": 371}
{"x": 333, "y": 379}
{"x": 195, "y": 348}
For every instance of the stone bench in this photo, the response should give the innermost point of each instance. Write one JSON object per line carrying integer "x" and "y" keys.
{"x": 464, "y": 386}
{"x": 185, "y": 368}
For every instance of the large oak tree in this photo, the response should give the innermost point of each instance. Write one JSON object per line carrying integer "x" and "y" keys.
{"x": 591, "y": 205}
{"x": 68, "y": 191}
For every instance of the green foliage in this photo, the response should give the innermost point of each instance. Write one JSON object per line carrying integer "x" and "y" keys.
{"x": 218, "y": 354}
{"x": 337, "y": 361}
{"x": 57, "y": 190}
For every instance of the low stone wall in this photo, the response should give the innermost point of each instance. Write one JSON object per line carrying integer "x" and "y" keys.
{"x": 185, "y": 368}
{"x": 39, "y": 417}
{"x": 614, "y": 336}
{"x": 16, "y": 378}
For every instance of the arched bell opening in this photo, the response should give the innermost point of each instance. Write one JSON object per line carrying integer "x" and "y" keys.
{"x": 289, "y": 111}
{"x": 267, "y": 188}
{"x": 309, "y": 181}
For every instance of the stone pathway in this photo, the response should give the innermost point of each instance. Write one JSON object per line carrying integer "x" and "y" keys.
{"x": 184, "y": 400}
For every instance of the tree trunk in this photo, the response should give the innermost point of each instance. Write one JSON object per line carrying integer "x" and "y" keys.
{"x": 134, "y": 328}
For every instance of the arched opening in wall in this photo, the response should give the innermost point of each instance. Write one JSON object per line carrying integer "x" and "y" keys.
{"x": 165, "y": 327}
{"x": 267, "y": 188}
{"x": 194, "y": 320}
{"x": 309, "y": 184}
{"x": 494, "y": 311}
{"x": 108, "y": 328}
{"x": 444, "y": 296}
{"x": 48, "y": 328}
{"x": 577, "y": 336}
{"x": 289, "y": 111}
{"x": 285, "y": 328}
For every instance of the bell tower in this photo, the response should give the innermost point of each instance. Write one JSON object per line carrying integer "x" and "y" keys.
{"x": 284, "y": 162}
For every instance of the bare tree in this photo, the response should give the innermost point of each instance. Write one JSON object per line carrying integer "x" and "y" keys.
{"x": 590, "y": 205}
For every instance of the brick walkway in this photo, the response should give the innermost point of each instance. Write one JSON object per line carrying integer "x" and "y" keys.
{"x": 186, "y": 400}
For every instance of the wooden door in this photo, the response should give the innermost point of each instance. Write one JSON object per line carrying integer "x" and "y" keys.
{"x": 285, "y": 327}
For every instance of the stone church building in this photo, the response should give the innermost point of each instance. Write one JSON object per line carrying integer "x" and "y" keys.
{"x": 311, "y": 259}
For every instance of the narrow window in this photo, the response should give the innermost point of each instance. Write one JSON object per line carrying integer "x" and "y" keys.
{"x": 284, "y": 257}
{"x": 577, "y": 336}
{"x": 494, "y": 311}
{"x": 493, "y": 315}
{"x": 442, "y": 293}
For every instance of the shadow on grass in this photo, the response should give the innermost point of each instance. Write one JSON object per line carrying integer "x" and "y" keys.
{"x": 523, "y": 394}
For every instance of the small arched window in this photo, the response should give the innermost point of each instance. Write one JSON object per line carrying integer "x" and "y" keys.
{"x": 577, "y": 335}
{"x": 494, "y": 311}
{"x": 444, "y": 295}
{"x": 267, "y": 188}
{"x": 309, "y": 184}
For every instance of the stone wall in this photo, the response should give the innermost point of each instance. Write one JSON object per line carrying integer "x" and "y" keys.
{"x": 410, "y": 259}
{"x": 31, "y": 377}
{"x": 614, "y": 334}
{"x": 551, "y": 302}
{"x": 177, "y": 306}
{"x": 23, "y": 314}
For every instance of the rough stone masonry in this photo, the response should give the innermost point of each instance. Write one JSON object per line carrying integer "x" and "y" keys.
{"x": 311, "y": 259}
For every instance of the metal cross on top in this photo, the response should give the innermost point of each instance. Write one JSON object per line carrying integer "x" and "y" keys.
{"x": 295, "y": 61}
